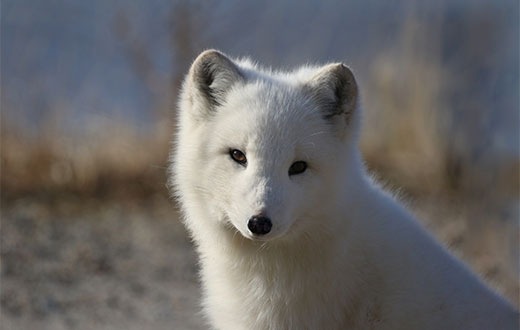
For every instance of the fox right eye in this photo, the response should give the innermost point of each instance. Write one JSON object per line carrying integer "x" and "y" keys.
{"x": 238, "y": 156}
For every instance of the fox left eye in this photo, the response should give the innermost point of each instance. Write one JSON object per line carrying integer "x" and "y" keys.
{"x": 297, "y": 167}
{"x": 238, "y": 156}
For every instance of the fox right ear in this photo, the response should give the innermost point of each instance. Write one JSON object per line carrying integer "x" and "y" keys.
{"x": 335, "y": 89}
{"x": 211, "y": 76}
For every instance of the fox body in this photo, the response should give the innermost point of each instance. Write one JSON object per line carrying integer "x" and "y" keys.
{"x": 290, "y": 230}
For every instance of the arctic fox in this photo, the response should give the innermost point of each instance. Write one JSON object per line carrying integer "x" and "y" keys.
{"x": 290, "y": 230}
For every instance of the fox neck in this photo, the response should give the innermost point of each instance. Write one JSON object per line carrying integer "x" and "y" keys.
{"x": 297, "y": 274}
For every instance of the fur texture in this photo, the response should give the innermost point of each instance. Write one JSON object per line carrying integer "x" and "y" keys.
{"x": 339, "y": 253}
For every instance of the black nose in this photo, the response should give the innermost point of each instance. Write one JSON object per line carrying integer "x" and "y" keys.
{"x": 259, "y": 225}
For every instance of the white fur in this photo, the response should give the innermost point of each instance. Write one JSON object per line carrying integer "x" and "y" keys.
{"x": 341, "y": 254}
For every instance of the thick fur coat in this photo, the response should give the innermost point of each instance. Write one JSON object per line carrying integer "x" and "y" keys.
{"x": 290, "y": 230}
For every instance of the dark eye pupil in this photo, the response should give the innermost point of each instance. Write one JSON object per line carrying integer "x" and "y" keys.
{"x": 238, "y": 156}
{"x": 297, "y": 167}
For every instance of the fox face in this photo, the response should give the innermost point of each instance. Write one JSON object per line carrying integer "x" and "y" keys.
{"x": 260, "y": 149}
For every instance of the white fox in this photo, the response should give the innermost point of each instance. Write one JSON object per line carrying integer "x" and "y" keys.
{"x": 290, "y": 230}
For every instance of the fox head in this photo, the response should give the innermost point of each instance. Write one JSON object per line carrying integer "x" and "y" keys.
{"x": 263, "y": 153}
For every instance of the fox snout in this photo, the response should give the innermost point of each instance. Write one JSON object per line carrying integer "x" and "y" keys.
{"x": 259, "y": 225}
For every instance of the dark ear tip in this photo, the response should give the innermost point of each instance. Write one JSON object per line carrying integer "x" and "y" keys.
{"x": 344, "y": 71}
{"x": 208, "y": 55}
{"x": 205, "y": 58}
{"x": 346, "y": 78}
{"x": 209, "y": 59}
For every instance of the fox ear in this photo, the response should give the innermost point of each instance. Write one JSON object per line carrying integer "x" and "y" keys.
{"x": 211, "y": 76}
{"x": 335, "y": 89}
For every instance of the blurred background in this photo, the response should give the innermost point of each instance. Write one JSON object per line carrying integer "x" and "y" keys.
{"x": 89, "y": 236}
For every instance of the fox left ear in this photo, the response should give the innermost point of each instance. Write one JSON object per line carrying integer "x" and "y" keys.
{"x": 335, "y": 90}
{"x": 211, "y": 76}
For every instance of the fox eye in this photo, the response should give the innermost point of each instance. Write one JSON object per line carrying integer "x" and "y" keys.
{"x": 238, "y": 156}
{"x": 297, "y": 167}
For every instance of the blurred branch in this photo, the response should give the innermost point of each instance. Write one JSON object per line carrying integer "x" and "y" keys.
{"x": 186, "y": 22}
{"x": 139, "y": 54}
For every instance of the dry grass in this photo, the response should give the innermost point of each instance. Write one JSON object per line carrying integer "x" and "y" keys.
{"x": 410, "y": 134}
{"x": 108, "y": 158}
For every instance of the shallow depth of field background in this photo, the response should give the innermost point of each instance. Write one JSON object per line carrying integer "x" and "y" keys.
{"x": 89, "y": 236}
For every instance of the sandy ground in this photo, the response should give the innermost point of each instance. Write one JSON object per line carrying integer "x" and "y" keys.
{"x": 85, "y": 264}
{"x": 125, "y": 265}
